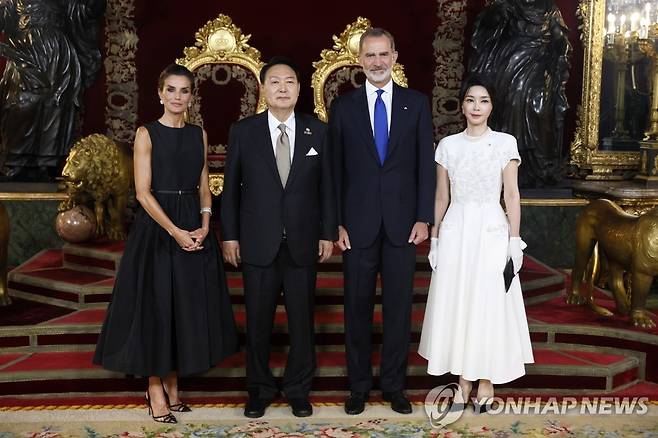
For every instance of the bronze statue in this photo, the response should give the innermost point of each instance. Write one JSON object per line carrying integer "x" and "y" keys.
{"x": 629, "y": 244}
{"x": 52, "y": 53}
{"x": 99, "y": 171}
{"x": 522, "y": 47}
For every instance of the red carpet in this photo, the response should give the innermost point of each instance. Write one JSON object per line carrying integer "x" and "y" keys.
{"x": 49, "y": 333}
{"x": 23, "y": 312}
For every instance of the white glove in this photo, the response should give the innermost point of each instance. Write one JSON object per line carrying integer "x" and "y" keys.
{"x": 515, "y": 251}
{"x": 433, "y": 256}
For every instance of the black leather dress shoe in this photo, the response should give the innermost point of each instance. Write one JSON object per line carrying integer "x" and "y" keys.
{"x": 300, "y": 407}
{"x": 399, "y": 403}
{"x": 255, "y": 407}
{"x": 356, "y": 403}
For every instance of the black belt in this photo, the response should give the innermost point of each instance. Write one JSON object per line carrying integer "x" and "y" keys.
{"x": 176, "y": 192}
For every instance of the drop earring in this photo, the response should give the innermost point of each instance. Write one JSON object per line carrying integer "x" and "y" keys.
{"x": 161, "y": 102}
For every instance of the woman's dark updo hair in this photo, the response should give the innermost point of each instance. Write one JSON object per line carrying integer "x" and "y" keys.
{"x": 475, "y": 80}
{"x": 175, "y": 70}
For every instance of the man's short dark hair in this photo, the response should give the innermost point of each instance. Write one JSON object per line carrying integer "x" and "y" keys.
{"x": 279, "y": 60}
{"x": 376, "y": 32}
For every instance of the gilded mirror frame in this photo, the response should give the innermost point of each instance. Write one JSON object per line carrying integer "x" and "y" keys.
{"x": 585, "y": 153}
{"x": 220, "y": 41}
{"x": 344, "y": 53}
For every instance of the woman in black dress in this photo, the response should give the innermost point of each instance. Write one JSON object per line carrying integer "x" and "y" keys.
{"x": 170, "y": 312}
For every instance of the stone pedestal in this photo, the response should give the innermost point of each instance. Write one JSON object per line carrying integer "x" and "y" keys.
{"x": 633, "y": 196}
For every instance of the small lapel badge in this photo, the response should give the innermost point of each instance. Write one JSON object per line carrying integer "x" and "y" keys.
{"x": 307, "y": 131}
{"x": 405, "y": 108}
{"x": 311, "y": 152}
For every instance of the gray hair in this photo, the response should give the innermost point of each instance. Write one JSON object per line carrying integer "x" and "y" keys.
{"x": 376, "y": 32}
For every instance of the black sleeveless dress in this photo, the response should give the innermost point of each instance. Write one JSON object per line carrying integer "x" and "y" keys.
{"x": 170, "y": 309}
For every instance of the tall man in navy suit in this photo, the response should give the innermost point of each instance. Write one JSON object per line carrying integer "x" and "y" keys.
{"x": 384, "y": 172}
{"x": 278, "y": 217}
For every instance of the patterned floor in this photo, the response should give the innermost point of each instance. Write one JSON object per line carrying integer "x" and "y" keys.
{"x": 327, "y": 421}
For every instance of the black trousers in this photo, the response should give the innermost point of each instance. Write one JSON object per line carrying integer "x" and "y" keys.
{"x": 262, "y": 287}
{"x": 397, "y": 266}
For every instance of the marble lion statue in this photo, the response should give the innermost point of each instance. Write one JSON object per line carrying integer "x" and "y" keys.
{"x": 629, "y": 244}
{"x": 99, "y": 171}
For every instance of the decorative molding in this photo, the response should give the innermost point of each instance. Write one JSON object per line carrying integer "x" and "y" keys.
{"x": 248, "y": 101}
{"x": 584, "y": 149}
{"x": 448, "y": 45}
{"x": 345, "y": 53}
{"x": 222, "y": 42}
{"x": 120, "y": 70}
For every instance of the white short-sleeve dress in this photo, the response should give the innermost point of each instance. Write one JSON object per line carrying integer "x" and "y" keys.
{"x": 472, "y": 327}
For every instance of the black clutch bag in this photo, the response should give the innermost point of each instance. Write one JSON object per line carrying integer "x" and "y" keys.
{"x": 508, "y": 274}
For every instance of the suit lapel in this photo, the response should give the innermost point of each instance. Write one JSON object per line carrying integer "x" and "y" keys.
{"x": 264, "y": 141}
{"x": 399, "y": 112}
{"x": 300, "y": 147}
{"x": 362, "y": 116}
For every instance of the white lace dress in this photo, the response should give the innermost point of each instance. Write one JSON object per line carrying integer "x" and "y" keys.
{"x": 472, "y": 327}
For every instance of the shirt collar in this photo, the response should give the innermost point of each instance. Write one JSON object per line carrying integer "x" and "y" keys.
{"x": 371, "y": 89}
{"x": 274, "y": 123}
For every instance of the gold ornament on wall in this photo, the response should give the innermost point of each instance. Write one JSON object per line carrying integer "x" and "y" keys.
{"x": 345, "y": 53}
{"x": 4, "y": 248}
{"x": 449, "y": 41}
{"x": 219, "y": 43}
{"x": 222, "y": 42}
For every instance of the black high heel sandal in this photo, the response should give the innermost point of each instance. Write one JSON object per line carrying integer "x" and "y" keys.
{"x": 178, "y": 407}
{"x": 166, "y": 418}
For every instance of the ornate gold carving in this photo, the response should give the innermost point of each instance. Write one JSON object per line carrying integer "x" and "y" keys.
{"x": 344, "y": 53}
{"x": 222, "y": 42}
{"x": 559, "y": 202}
{"x": 248, "y": 101}
{"x": 100, "y": 172}
{"x": 33, "y": 196}
{"x": 584, "y": 148}
{"x": 4, "y": 246}
{"x": 216, "y": 182}
{"x": 120, "y": 70}
{"x": 448, "y": 57}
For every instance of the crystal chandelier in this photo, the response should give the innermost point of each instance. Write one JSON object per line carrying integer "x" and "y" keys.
{"x": 631, "y": 17}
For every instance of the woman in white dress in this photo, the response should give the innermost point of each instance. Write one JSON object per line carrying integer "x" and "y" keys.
{"x": 473, "y": 328}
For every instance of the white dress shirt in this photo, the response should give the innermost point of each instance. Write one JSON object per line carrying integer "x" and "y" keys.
{"x": 387, "y": 97}
{"x": 275, "y": 132}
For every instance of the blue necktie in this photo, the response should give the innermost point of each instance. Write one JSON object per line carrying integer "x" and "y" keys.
{"x": 381, "y": 127}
